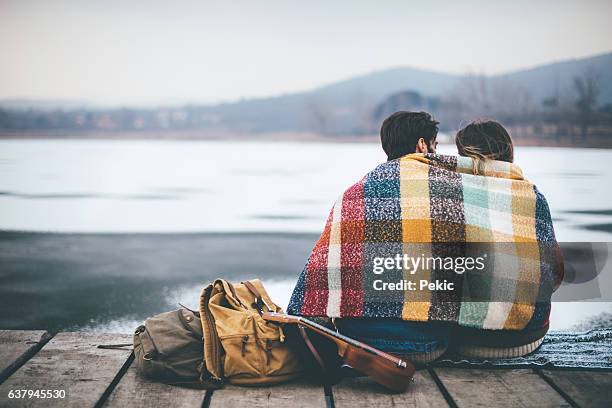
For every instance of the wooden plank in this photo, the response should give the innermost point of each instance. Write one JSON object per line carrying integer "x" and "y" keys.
{"x": 587, "y": 388}
{"x": 362, "y": 392}
{"x": 498, "y": 388}
{"x": 69, "y": 362}
{"x": 16, "y": 346}
{"x": 293, "y": 394}
{"x": 136, "y": 391}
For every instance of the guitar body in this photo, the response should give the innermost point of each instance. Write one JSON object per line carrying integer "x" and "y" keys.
{"x": 384, "y": 372}
{"x": 387, "y": 370}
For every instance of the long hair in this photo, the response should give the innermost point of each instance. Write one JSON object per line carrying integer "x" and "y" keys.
{"x": 485, "y": 140}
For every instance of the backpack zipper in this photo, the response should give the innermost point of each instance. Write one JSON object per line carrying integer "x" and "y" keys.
{"x": 245, "y": 340}
{"x": 268, "y": 351}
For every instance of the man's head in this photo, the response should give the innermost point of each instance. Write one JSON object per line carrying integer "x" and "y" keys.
{"x": 408, "y": 132}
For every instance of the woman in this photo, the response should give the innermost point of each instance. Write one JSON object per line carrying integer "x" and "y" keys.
{"x": 488, "y": 140}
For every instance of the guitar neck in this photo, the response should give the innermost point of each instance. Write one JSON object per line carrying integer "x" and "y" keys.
{"x": 333, "y": 335}
{"x": 328, "y": 332}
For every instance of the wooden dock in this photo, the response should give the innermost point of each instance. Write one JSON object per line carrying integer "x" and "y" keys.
{"x": 89, "y": 376}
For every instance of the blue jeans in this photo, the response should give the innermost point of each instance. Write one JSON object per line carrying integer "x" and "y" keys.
{"x": 396, "y": 335}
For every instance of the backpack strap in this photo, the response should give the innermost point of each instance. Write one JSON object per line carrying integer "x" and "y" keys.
{"x": 120, "y": 346}
{"x": 259, "y": 300}
{"x": 230, "y": 293}
{"x": 311, "y": 347}
{"x": 211, "y": 342}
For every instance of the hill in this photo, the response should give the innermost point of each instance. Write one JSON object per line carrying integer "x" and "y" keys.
{"x": 342, "y": 107}
{"x": 353, "y": 106}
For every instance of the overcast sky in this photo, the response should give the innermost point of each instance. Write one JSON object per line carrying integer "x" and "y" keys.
{"x": 145, "y": 52}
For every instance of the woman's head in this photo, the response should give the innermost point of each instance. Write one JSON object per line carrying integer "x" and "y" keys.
{"x": 485, "y": 139}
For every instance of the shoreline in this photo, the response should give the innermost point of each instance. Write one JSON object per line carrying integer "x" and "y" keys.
{"x": 301, "y": 137}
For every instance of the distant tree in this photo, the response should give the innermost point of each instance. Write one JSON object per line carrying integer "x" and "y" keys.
{"x": 360, "y": 107}
{"x": 470, "y": 97}
{"x": 587, "y": 89}
{"x": 405, "y": 100}
{"x": 509, "y": 101}
{"x": 550, "y": 102}
{"x": 318, "y": 115}
{"x": 6, "y": 121}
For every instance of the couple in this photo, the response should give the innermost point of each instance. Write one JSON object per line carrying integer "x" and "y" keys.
{"x": 479, "y": 236}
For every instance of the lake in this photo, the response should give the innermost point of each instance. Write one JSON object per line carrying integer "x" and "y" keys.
{"x": 87, "y": 220}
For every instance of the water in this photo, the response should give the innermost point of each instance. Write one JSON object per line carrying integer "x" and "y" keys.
{"x": 199, "y": 187}
{"x": 186, "y": 186}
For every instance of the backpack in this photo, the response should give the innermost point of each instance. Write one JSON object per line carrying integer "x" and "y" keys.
{"x": 226, "y": 341}
{"x": 239, "y": 345}
{"x": 168, "y": 348}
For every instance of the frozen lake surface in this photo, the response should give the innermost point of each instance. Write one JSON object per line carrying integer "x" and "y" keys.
{"x": 193, "y": 186}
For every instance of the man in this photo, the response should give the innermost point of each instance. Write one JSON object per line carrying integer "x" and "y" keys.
{"x": 401, "y": 133}
{"x": 408, "y": 132}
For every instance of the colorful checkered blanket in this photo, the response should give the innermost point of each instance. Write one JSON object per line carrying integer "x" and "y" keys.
{"x": 420, "y": 219}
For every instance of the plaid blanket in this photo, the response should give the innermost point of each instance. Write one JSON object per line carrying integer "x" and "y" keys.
{"x": 439, "y": 209}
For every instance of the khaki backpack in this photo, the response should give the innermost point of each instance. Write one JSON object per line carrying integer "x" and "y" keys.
{"x": 239, "y": 345}
{"x": 168, "y": 348}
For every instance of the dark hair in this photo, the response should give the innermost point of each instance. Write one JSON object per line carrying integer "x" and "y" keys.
{"x": 485, "y": 139}
{"x": 401, "y": 131}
